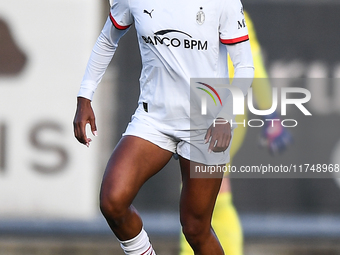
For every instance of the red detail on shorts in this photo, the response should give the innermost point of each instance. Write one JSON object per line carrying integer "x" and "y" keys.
{"x": 117, "y": 25}
{"x": 235, "y": 40}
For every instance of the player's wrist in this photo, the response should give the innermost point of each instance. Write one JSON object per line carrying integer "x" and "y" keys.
{"x": 83, "y": 100}
{"x": 83, "y": 103}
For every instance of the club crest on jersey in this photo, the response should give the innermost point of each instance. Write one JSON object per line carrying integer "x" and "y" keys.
{"x": 200, "y": 16}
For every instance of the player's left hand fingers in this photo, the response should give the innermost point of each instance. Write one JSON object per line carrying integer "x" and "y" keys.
{"x": 208, "y": 135}
{"x": 219, "y": 137}
{"x": 221, "y": 143}
{"x": 220, "y": 140}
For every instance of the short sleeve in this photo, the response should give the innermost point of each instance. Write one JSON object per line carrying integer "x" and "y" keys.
{"x": 233, "y": 28}
{"x": 120, "y": 14}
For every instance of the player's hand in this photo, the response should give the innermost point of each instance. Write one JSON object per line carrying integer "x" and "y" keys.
{"x": 218, "y": 136}
{"x": 84, "y": 115}
{"x": 274, "y": 136}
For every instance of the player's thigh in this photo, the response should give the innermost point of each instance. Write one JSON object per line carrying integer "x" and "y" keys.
{"x": 132, "y": 163}
{"x": 198, "y": 195}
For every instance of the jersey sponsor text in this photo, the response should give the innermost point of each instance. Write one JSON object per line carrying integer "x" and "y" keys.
{"x": 175, "y": 42}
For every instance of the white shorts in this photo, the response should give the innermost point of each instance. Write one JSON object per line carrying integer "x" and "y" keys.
{"x": 187, "y": 143}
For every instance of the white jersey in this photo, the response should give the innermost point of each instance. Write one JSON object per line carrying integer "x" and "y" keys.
{"x": 178, "y": 40}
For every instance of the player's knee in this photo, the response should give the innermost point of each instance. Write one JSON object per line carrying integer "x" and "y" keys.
{"x": 112, "y": 205}
{"x": 195, "y": 231}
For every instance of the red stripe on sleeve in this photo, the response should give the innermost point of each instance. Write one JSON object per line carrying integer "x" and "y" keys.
{"x": 117, "y": 25}
{"x": 235, "y": 40}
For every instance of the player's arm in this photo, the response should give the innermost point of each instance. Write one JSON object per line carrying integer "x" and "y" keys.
{"x": 100, "y": 58}
{"x": 220, "y": 134}
{"x": 234, "y": 34}
{"x": 261, "y": 86}
{"x": 241, "y": 57}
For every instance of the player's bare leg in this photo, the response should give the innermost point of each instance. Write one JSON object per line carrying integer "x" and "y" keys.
{"x": 132, "y": 163}
{"x": 196, "y": 207}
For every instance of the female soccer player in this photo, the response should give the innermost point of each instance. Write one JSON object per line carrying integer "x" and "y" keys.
{"x": 178, "y": 40}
